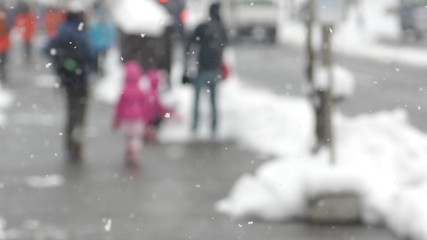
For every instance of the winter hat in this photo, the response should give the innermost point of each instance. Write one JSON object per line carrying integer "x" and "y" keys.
{"x": 214, "y": 11}
{"x": 133, "y": 72}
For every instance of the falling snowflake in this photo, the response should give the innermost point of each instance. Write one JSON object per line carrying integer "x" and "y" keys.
{"x": 81, "y": 25}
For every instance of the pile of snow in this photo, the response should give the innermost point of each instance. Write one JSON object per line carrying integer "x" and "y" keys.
{"x": 381, "y": 158}
{"x": 343, "y": 81}
{"x": 109, "y": 88}
{"x": 140, "y": 17}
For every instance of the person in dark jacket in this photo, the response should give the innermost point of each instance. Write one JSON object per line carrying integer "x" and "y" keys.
{"x": 211, "y": 39}
{"x": 73, "y": 61}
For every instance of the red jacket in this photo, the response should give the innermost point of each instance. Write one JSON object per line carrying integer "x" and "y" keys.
{"x": 52, "y": 19}
{"x": 4, "y": 32}
{"x": 26, "y": 24}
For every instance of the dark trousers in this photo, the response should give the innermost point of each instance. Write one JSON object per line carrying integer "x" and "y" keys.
{"x": 77, "y": 98}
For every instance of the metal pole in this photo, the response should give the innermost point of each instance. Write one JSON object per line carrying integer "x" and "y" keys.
{"x": 309, "y": 47}
{"x": 327, "y": 31}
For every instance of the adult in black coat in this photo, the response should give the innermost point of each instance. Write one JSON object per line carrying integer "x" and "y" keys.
{"x": 73, "y": 60}
{"x": 211, "y": 38}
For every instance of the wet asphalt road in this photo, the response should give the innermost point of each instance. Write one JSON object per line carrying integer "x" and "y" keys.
{"x": 171, "y": 196}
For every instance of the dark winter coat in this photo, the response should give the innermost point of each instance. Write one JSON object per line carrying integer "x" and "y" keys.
{"x": 212, "y": 39}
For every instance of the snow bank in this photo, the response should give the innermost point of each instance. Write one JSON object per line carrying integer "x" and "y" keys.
{"x": 343, "y": 81}
{"x": 380, "y": 157}
{"x": 141, "y": 17}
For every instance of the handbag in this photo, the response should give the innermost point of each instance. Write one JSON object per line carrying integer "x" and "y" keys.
{"x": 225, "y": 71}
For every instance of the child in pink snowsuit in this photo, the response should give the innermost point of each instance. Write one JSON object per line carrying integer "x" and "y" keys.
{"x": 154, "y": 110}
{"x": 130, "y": 117}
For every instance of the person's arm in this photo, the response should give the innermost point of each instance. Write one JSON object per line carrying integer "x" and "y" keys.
{"x": 194, "y": 39}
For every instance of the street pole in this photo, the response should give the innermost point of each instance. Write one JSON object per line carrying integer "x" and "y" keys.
{"x": 327, "y": 63}
{"x": 309, "y": 47}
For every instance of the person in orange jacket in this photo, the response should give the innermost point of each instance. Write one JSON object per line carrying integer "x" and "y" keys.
{"x": 53, "y": 18}
{"x": 26, "y": 22}
{"x": 4, "y": 42}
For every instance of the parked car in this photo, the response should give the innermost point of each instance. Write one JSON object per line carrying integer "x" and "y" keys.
{"x": 254, "y": 18}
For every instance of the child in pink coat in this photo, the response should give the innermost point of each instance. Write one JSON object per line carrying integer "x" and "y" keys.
{"x": 154, "y": 110}
{"x": 130, "y": 116}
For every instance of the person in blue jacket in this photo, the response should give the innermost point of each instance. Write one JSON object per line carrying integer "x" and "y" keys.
{"x": 102, "y": 35}
{"x": 73, "y": 60}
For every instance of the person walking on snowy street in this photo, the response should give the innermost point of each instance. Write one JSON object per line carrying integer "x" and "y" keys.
{"x": 155, "y": 111}
{"x": 102, "y": 35}
{"x": 26, "y": 23}
{"x": 211, "y": 38}
{"x": 73, "y": 61}
{"x": 53, "y": 18}
{"x": 129, "y": 115}
{"x": 4, "y": 41}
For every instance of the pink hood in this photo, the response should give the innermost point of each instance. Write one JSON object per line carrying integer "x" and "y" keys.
{"x": 133, "y": 74}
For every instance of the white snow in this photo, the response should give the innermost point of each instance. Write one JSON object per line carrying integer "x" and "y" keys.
{"x": 343, "y": 81}
{"x": 109, "y": 87}
{"x": 380, "y": 157}
{"x": 140, "y": 17}
{"x": 46, "y": 181}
